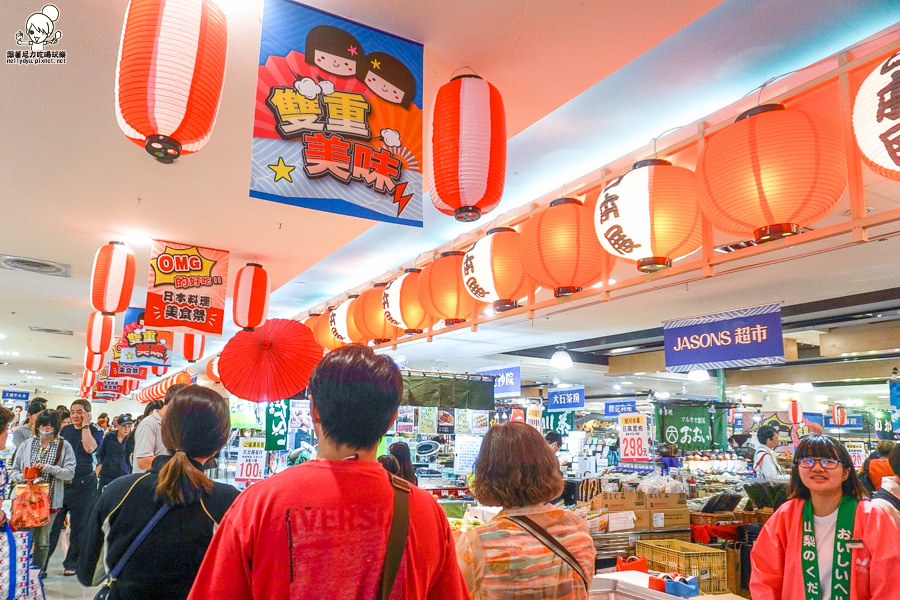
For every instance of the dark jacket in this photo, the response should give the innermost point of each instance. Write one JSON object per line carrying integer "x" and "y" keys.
{"x": 111, "y": 454}
{"x": 166, "y": 562}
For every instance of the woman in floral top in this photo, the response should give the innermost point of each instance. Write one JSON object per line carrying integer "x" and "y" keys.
{"x": 500, "y": 560}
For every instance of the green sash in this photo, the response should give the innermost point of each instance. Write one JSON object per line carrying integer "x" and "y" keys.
{"x": 840, "y": 573}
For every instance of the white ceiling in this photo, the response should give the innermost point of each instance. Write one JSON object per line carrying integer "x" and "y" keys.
{"x": 583, "y": 84}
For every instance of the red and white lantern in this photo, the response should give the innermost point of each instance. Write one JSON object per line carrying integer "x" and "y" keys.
{"x": 169, "y": 74}
{"x": 88, "y": 379}
{"x": 342, "y": 322}
{"x": 468, "y": 148}
{"x": 193, "y": 346}
{"x": 400, "y": 303}
{"x": 795, "y": 412}
{"x": 100, "y": 332}
{"x": 93, "y": 361}
{"x": 212, "y": 369}
{"x": 112, "y": 278}
{"x": 839, "y": 416}
{"x": 729, "y": 416}
{"x": 492, "y": 271}
{"x": 251, "y": 297}
{"x": 159, "y": 371}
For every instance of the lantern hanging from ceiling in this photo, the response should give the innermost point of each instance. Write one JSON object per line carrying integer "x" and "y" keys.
{"x": 128, "y": 386}
{"x": 169, "y": 74}
{"x": 559, "y": 249}
{"x": 729, "y": 415}
{"x": 343, "y": 322}
{"x": 322, "y": 332}
{"x": 795, "y": 412}
{"x": 112, "y": 278}
{"x": 492, "y": 271}
{"x": 88, "y": 378}
{"x": 93, "y": 361}
{"x": 159, "y": 370}
{"x": 311, "y": 321}
{"x": 876, "y": 118}
{"x": 100, "y": 332}
{"x": 650, "y": 215}
{"x": 251, "y": 297}
{"x": 770, "y": 173}
{"x": 212, "y": 369}
{"x": 368, "y": 314}
{"x": 468, "y": 148}
{"x": 442, "y": 292}
{"x": 193, "y": 346}
{"x": 400, "y": 303}
{"x": 839, "y": 416}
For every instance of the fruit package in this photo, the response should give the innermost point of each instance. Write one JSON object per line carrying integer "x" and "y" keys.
{"x": 31, "y": 508}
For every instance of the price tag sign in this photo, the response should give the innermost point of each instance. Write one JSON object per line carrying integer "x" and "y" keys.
{"x": 251, "y": 462}
{"x": 857, "y": 452}
{"x": 633, "y": 437}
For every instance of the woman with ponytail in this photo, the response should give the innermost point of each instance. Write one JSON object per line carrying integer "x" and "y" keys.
{"x": 194, "y": 429}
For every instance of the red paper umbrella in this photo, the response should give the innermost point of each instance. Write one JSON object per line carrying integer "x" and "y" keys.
{"x": 270, "y": 363}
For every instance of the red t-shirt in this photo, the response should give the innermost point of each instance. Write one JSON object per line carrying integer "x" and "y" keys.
{"x": 319, "y": 530}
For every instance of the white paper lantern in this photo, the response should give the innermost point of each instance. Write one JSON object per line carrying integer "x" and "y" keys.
{"x": 876, "y": 118}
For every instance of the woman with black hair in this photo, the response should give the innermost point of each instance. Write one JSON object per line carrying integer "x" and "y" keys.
{"x": 400, "y": 451}
{"x": 194, "y": 429}
{"x": 827, "y": 541}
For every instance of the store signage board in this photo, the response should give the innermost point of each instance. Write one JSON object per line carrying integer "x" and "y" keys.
{"x": 277, "y": 420}
{"x": 857, "y": 452}
{"x": 118, "y": 370}
{"x": 738, "y": 338}
{"x": 338, "y": 121}
{"x": 142, "y": 345}
{"x": 251, "y": 460}
{"x": 614, "y": 409}
{"x": 853, "y": 422}
{"x": 465, "y": 453}
{"x": 569, "y": 398}
{"x": 533, "y": 416}
{"x": 560, "y": 422}
{"x": 634, "y": 438}
{"x": 894, "y": 389}
{"x": 690, "y": 427}
{"x": 508, "y": 383}
{"x": 15, "y": 396}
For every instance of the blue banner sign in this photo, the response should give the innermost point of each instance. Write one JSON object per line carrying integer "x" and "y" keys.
{"x": 508, "y": 383}
{"x": 853, "y": 422}
{"x": 565, "y": 398}
{"x": 894, "y": 387}
{"x": 614, "y": 409}
{"x": 737, "y": 338}
{"x": 15, "y": 396}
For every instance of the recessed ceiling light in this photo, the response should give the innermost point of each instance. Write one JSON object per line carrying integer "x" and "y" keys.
{"x": 623, "y": 349}
{"x": 627, "y": 383}
{"x": 803, "y": 387}
{"x": 617, "y": 387}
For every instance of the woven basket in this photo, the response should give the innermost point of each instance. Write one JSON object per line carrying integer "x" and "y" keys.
{"x": 746, "y": 517}
{"x": 762, "y": 515}
{"x": 701, "y": 518}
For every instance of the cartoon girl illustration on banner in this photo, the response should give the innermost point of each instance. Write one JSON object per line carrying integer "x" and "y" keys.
{"x": 333, "y": 50}
{"x": 389, "y": 79}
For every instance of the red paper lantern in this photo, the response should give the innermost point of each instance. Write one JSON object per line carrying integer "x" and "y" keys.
{"x": 88, "y": 379}
{"x": 169, "y": 74}
{"x": 400, "y": 303}
{"x": 559, "y": 249}
{"x": 442, "y": 292}
{"x": 251, "y": 297}
{"x": 322, "y": 332}
{"x": 193, "y": 346}
{"x": 492, "y": 271}
{"x": 729, "y": 415}
{"x": 650, "y": 215}
{"x": 342, "y": 323}
{"x": 368, "y": 314}
{"x": 159, "y": 371}
{"x": 128, "y": 386}
{"x": 795, "y": 411}
{"x": 839, "y": 415}
{"x": 212, "y": 369}
{"x": 770, "y": 173}
{"x": 468, "y": 148}
{"x": 112, "y": 278}
{"x": 159, "y": 390}
{"x": 875, "y": 119}
{"x": 100, "y": 332}
{"x": 93, "y": 361}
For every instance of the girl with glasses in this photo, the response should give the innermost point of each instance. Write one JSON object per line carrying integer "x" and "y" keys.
{"x": 827, "y": 542}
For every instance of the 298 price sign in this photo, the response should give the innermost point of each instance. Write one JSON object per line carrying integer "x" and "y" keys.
{"x": 633, "y": 438}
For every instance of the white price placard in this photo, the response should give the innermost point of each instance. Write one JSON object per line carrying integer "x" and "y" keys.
{"x": 467, "y": 449}
{"x": 857, "y": 452}
{"x": 251, "y": 461}
{"x": 634, "y": 437}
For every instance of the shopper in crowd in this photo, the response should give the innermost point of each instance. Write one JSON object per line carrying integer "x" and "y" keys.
{"x": 196, "y": 426}
{"x": 103, "y": 422}
{"x": 555, "y": 440}
{"x": 765, "y": 463}
{"x": 516, "y": 469}
{"x": 81, "y": 492}
{"x": 65, "y": 417}
{"x": 111, "y": 459}
{"x": 877, "y": 466}
{"x": 400, "y": 451}
{"x": 54, "y": 459}
{"x": 25, "y": 432}
{"x": 17, "y": 417}
{"x": 149, "y": 409}
{"x": 148, "y": 444}
{"x": 825, "y": 535}
{"x": 390, "y": 464}
{"x": 7, "y": 418}
{"x": 888, "y": 497}
{"x": 332, "y": 515}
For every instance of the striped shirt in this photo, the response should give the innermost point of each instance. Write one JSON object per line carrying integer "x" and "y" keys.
{"x": 502, "y": 561}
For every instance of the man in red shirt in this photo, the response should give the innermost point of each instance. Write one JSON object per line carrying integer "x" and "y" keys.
{"x": 320, "y": 529}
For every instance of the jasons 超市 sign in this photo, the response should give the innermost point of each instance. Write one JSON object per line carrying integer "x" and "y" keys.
{"x": 738, "y": 338}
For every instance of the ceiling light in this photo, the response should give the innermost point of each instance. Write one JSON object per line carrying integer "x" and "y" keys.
{"x": 623, "y": 349}
{"x": 561, "y": 359}
{"x": 803, "y": 387}
{"x": 2, "y": 336}
{"x": 627, "y": 383}
{"x": 556, "y": 381}
{"x": 64, "y": 387}
{"x": 640, "y": 372}
{"x": 698, "y": 375}
{"x": 662, "y": 395}
{"x": 617, "y": 387}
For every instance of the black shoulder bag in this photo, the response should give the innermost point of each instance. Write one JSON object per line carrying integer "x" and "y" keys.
{"x": 103, "y": 592}
{"x": 397, "y": 536}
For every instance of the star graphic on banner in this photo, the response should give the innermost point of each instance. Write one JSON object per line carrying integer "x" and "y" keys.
{"x": 352, "y": 50}
{"x": 376, "y": 64}
{"x": 129, "y": 355}
{"x": 282, "y": 171}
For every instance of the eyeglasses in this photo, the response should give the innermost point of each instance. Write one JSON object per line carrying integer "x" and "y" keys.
{"x": 826, "y": 463}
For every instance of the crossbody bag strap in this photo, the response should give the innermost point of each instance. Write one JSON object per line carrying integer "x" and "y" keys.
{"x": 59, "y": 446}
{"x": 552, "y": 543}
{"x": 397, "y": 536}
{"x": 135, "y": 543}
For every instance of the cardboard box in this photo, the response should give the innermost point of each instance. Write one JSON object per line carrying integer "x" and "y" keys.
{"x": 666, "y": 501}
{"x": 628, "y": 520}
{"x": 671, "y": 518}
{"x": 617, "y": 501}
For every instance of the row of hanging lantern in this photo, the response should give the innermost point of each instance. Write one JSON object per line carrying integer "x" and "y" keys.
{"x": 795, "y": 414}
{"x": 159, "y": 389}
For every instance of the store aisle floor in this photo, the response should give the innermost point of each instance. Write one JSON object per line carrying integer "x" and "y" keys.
{"x": 59, "y": 587}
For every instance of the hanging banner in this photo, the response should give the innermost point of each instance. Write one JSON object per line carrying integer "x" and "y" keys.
{"x": 118, "y": 370}
{"x": 244, "y": 414}
{"x": 881, "y": 424}
{"x": 614, "y": 409}
{"x": 277, "y": 424}
{"x": 565, "y": 398}
{"x": 634, "y": 438}
{"x": 737, "y": 338}
{"x": 690, "y": 427}
{"x": 560, "y": 422}
{"x": 508, "y": 383}
{"x": 894, "y": 390}
{"x": 251, "y": 460}
{"x": 857, "y": 452}
{"x": 15, "y": 396}
{"x": 338, "y": 117}
{"x": 186, "y": 288}
{"x": 143, "y": 346}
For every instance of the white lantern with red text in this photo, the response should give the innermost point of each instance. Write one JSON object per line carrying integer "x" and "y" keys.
{"x": 100, "y": 332}
{"x": 795, "y": 412}
{"x": 492, "y": 271}
{"x": 876, "y": 118}
{"x": 193, "y": 346}
{"x": 112, "y": 278}
{"x": 251, "y": 297}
